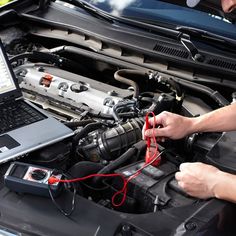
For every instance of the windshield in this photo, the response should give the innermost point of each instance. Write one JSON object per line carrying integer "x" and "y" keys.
{"x": 156, "y": 11}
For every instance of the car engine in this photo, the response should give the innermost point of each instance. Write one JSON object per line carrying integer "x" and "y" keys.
{"x": 105, "y": 101}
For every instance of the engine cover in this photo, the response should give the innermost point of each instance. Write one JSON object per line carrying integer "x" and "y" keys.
{"x": 98, "y": 96}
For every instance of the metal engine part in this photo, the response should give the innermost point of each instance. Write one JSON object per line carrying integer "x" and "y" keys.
{"x": 98, "y": 96}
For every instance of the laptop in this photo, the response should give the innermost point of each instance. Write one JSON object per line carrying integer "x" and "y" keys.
{"x": 23, "y": 126}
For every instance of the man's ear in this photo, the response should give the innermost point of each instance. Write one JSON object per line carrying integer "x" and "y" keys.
{"x": 192, "y": 3}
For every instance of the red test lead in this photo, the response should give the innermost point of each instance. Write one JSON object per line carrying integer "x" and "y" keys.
{"x": 152, "y": 150}
{"x": 147, "y": 127}
{"x": 52, "y": 180}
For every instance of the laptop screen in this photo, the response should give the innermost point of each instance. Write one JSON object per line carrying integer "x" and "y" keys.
{"x": 9, "y": 87}
{"x": 6, "y": 81}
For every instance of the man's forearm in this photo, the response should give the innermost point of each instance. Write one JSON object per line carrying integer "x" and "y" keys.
{"x": 225, "y": 188}
{"x": 222, "y": 119}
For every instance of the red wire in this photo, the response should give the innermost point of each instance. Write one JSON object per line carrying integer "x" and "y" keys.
{"x": 147, "y": 158}
{"x": 53, "y": 179}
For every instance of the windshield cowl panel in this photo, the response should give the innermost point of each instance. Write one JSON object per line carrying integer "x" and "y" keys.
{"x": 162, "y": 12}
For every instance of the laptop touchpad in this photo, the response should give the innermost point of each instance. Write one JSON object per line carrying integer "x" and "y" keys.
{"x": 7, "y": 143}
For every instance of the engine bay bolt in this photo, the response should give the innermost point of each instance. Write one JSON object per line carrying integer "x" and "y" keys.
{"x": 108, "y": 102}
{"x": 198, "y": 57}
{"x": 75, "y": 88}
{"x": 112, "y": 93}
{"x": 41, "y": 69}
{"x": 190, "y": 226}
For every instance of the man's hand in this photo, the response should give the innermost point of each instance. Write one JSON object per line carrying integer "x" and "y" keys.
{"x": 198, "y": 179}
{"x": 172, "y": 126}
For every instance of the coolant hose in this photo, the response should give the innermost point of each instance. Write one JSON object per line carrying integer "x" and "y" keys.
{"x": 121, "y": 76}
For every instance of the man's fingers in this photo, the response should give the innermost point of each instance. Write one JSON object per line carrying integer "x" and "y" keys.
{"x": 181, "y": 184}
{"x": 157, "y": 120}
{"x": 157, "y": 132}
{"x": 179, "y": 176}
{"x": 193, "y": 168}
{"x": 185, "y": 166}
{"x": 183, "y": 176}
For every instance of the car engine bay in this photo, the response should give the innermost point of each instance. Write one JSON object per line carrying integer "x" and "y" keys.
{"x": 105, "y": 101}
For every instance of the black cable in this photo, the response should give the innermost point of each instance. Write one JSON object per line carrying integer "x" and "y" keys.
{"x": 57, "y": 205}
{"x": 100, "y": 115}
{"x": 47, "y": 57}
{"x": 20, "y": 56}
{"x": 126, "y": 104}
{"x": 215, "y": 95}
{"x": 151, "y": 108}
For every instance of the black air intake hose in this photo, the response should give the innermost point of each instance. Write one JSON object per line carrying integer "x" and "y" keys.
{"x": 113, "y": 142}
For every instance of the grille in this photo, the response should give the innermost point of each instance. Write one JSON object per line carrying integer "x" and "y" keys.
{"x": 223, "y": 64}
{"x": 171, "y": 51}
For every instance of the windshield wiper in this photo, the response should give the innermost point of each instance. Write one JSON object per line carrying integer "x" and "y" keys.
{"x": 205, "y": 35}
{"x": 90, "y": 9}
{"x": 191, "y": 48}
{"x": 172, "y": 33}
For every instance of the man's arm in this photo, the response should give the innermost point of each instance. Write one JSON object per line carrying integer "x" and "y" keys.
{"x": 175, "y": 126}
{"x": 226, "y": 188}
{"x": 198, "y": 179}
{"x": 222, "y": 119}
{"x": 205, "y": 181}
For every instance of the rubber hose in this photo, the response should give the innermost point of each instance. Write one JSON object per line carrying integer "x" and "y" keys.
{"x": 87, "y": 129}
{"x": 215, "y": 95}
{"x": 121, "y": 75}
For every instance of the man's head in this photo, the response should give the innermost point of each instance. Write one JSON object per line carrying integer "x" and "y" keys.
{"x": 227, "y": 5}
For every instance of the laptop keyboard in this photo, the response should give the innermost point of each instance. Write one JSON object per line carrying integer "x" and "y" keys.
{"x": 16, "y": 115}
